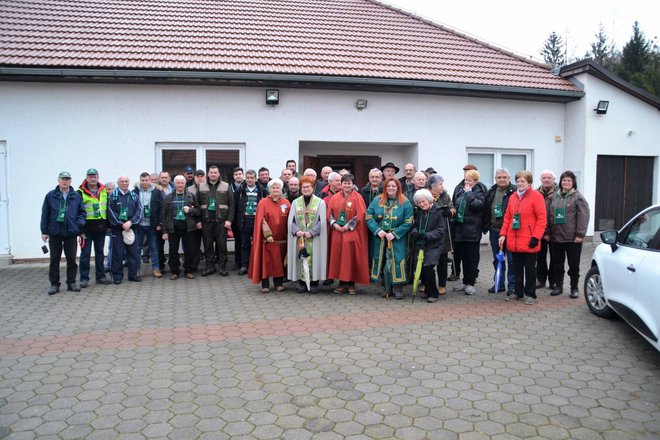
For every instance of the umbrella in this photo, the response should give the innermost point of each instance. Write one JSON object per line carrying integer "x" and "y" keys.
{"x": 387, "y": 270}
{"x": 498, "y": 271}
{"x": 304, "y": 256}
{"x": 418, "y": 272}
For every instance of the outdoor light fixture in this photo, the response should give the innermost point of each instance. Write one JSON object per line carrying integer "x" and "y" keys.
{"x": 272, "y": 97}
{"x": 601, "y": 108}
{"x": 361, "y": 104}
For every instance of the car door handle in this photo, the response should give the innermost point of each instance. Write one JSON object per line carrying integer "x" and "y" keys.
{"x": 631, "y": 268}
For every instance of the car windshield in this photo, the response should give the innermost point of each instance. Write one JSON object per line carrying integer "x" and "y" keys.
{"x": 644, "y": 231}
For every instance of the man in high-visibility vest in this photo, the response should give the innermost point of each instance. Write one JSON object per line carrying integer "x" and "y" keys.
{"x": 95, "y": 199}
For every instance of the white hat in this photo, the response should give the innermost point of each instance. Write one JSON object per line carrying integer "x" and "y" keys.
{"x": 129, "y": 236}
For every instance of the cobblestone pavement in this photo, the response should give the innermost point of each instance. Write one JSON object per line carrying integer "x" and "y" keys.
{"x": 212, "y": 358}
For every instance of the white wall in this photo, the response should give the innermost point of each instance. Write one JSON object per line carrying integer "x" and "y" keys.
{"x": 114, "y": 128}
{"x": 631, "y": 127}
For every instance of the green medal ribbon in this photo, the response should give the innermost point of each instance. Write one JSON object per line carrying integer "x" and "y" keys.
{"x": 460, "y": 213}
{"x": 123, "y": 212}
{"x": 422, "y": 229}
{"x": 61, "y": 212}
{"x": 211, "y": 204}
{"x": 341, "y": 221}
{"x": 97, "y": 210}
{"x": 497, "y": 209}
{"x": 180, "y": 215}
{"x": 560, "y": 216}
{"x": 147, "y": 211}
{"x": 515, "y": 224}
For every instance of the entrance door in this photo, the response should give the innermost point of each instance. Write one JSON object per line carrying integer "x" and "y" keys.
{"x": 624, "y": 186}
{"x": 4, "y": 203}
{"x": 359, "y": 166}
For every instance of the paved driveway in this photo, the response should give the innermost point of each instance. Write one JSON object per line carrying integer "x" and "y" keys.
{"x": 212, "y": 358}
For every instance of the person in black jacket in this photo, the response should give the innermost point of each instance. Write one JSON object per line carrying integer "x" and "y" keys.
{"x": 428, "y": 233}
{"x": 124, "y": 215}
{"x": 374, "y": 188}
{"x": 497, "y": 199}
{"x": 62, "y": 221}
{"x": 247, "y": 197}
{"x": 151, "y": 200}
{"x": 468, "y": 223}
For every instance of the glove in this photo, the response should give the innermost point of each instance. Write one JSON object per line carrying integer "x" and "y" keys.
{"x": 533, "y": 242}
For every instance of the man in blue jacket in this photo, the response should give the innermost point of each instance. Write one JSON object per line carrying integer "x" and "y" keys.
{"x": 124, "y": 216}
{"x": 62, "y": 221}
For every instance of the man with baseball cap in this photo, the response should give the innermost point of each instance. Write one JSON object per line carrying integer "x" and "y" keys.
{"x": 62, "y": 220}
{"x": 188, "y": 172}
{"x": 95, "y": 199}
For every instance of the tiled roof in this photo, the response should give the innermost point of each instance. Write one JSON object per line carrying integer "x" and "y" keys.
{"x": 347, "y": 38}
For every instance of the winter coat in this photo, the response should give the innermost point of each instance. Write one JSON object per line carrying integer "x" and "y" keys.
{"x": 490, "y": 196}
{"x": 434, "y": 237}
{"x": 445, "y": 204}
{"x": 241, "y": 201}
{"x": 577, "y": 217}
{"x": 224, "y": 199}
{"x": 167, "y": 213}
{"x": 475, "y": 203}
{"x": 532, "y": 222}
{"x": 367, "y": 195}
{"x": 155, "y": 205}
{"x": 74, "y": 217}
{"x": 134, "y": 208}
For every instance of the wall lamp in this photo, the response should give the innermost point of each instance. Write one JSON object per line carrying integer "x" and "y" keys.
{"x": 272, "y": 97}
{"x": 361, "y": 104}
{"x": 601, "y": 108}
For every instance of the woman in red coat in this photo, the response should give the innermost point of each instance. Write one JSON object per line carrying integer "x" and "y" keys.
{"x": 269, "y": 239}
{"x": 522, "y": 229}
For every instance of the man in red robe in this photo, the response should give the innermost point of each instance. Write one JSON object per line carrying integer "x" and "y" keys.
{"x": 349, "y": 254}
{"x": 269, "y": 239}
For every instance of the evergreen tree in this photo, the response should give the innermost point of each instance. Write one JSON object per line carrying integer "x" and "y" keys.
{"x": 602, "y": 50}
{"x": 636, "y": 55}
{"x": 553, "y": 50}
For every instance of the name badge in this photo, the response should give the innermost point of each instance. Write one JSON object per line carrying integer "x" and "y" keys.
{"x": 497, "y": 209}
{"x": 97, "y": 210}
{"x": 211, "y": 205}
{"x": 515, "y": 224}
{"x": 60, "y": 215}
{"x": 341, "y": 221}
{"x": 147, "y": 211}
{"x": 123, "y": 213}
{"x": 180, "y": 215}
{"x": 560, "y": 216}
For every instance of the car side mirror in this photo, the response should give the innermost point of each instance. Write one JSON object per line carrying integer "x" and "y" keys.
{"x": 609, "y": 237}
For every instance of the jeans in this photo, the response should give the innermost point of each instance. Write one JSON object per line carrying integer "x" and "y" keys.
{"x": 98, "y": 240}
{"x": 152, "y": 241}
{"x": 247, "y": 229}
{"x": 507, "y": 264}
{"x": 56, "y": 245}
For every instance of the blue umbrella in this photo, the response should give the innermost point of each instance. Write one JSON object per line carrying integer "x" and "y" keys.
{"x": 498, "y": 271}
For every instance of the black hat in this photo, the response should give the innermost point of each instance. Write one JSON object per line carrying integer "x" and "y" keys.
{"x": 430, "y": 170}
{"x": 200, "y": 173}
{"x": 390, "y": 165}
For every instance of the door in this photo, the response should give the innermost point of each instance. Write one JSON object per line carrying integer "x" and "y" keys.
{"x": 359, "y": 166}
{"x": 624, "y": 187}
{"x": 174, "y": 157}
{"x": 4, "y": 202}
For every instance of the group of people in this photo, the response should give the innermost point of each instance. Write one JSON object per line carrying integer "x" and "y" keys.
{"x": 322, "y": 230}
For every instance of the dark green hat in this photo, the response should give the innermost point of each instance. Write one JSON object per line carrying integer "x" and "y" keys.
{"x": 92, "y": 172}
{"x": 64, "y": 175}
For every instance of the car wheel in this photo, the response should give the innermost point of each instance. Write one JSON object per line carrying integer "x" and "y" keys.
{"x": 595, "y": 295}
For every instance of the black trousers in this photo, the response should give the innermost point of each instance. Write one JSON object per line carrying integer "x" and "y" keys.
{"x": 161, "y": 250}
{"x": 524, "y": 267}
{"x": 195, "y": 240}
{"x": 428, "y": 279}
{"x": 70, "y": 246}
{"x": 468, "y": 254}
{"x": 119, "y": 248}
{"x": 442, "y": 270}
{"x": 277, "y": 282}
{"x": 186, "y": 238}
{"x": 237, "y": 244}
{"x": 215, "y": 244}
{"x": 543, "y": 266}
{"x": 247, "y": 229}
{"x": 559, "y": 252}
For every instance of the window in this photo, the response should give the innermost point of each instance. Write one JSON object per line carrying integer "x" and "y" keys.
{"x": 173, "y": 157}
{"x": 643, "y": 232}
{"x": 487, "y": 161}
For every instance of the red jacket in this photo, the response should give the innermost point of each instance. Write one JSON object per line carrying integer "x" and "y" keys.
{"x": 532, "y": 221}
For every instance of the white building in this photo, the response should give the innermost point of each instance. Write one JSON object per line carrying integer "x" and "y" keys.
{"x": 151, "y": 87}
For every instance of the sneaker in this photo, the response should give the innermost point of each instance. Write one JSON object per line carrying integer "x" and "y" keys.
{"x": 528, "y": 300}
{"x": 103, "y": 281}
{"x": 84, "y": 283}
{"x": 512, "y": 297}
{"x": 157, "y": 273}
{"x": 432, "y": 300}
{"x": 73, "y": 287}
{"x": 460, "y": 288}
{"x": 470, "y": 290}
{"x": 556, "y": 291}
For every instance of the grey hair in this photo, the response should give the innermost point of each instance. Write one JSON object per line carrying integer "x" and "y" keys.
{"x": 423, "y": 194}
{"x": 309, "y": 172}
{"x": 275, "y": 181}
{"x": 333, "y": 175}
{"x": 549, "y": 172}
{"x": 251, "y": 173}
{"x": 376, "y": 170}
{"x": 502, "y": 170}
{"x": 435, "y": 180}
{"x": 420, "y": 174}
{"x": 179, "y": 177}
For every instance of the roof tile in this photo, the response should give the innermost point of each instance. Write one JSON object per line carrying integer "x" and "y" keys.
{"x": 359, "y": 38}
